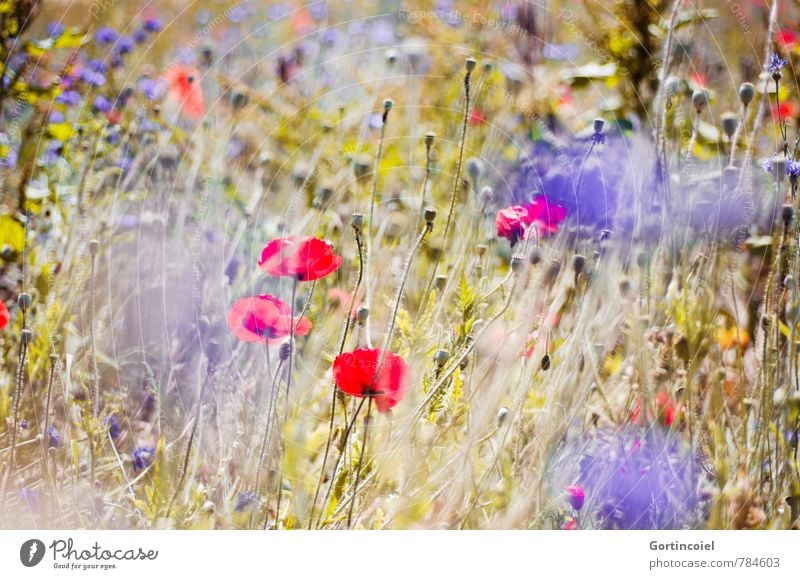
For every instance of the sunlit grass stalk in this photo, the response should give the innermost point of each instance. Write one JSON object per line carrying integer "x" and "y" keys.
{"x": 289, "y": 369}
{"x": 347, "y": 323}
{"x": 267, "y": 431}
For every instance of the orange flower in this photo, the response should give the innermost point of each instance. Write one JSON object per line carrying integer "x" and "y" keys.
{"x": 728, "y": 338}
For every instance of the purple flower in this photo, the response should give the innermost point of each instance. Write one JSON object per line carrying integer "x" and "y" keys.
{"x": 125, "y": 163}
{"x": 55, "y": 29}
{"x": 53, "y": 438}
{"x": 106, "y": 35}
{"x": 186, "y": 55}
{"x": 56, "y": 117}
{"x": 598, "y": 138}
{"x": 793, "y": 169}
{"x": 114, "y": 428}
{"x": 98, "y": 65}
{"x": 116, "y": 60}
{"x": 10, "y": 160}
{"x": 382, "y": 32}
{"x": 245, "y": 500}
{"x": 93, "y": 78}
{"x": 236, "y": 14}
{"x": 69, "y": 98}
{"x": 101, "y": 104}
{"x": 318, "y": 10}
{"x": 142, "y": 457}
{"x": 776, "y": 63}
{"x": 768, "y": 163}
{"x": 279, "y": 10}
{"x": 638, "y": 479}
{"x": 152, "y": 89}
{"x": 139, "y": 35}
{"x": 125, "y": 45}
{"x": 23, "y": 424}
{"x": 153, "y": 24}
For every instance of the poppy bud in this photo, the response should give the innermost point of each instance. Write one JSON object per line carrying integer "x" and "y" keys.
{"x": 24, "y": 301}
{"x": 516, "y": 262}
{"x": 578, "y": 263}
{"x": 285, "y": 351}
{"x": 787, "y": 213}
{"x": 535, "y": 256}
{"x": 777, "y": 75}
{"x": 357, "y": 221}
{"x": 94, "y": 247}
{"x": 546, "y": 362}
{"x": 387, "y": 105}
{"x": 502, "y": 414}
{"x": 746, "y": 93}
{"x": 239, "y": 100}
{"x": 362, "y": 314}
{"x": 361, "y": 166}
{"x": 429, "y": 214}
{"x": 470, "y": 63}
{"x": 672, "y": 85}
{"x": 26, "y": 336}
{"x": 441, "y": 282}
{"x": 700, "y": 100}
{"x": 474, "y": 168}
{"x": 598, "y": 125}
{"x": 730, "y": 122}
{"x": 430, "y": 137}
{"x": 441, "y": 357}
{"x": 7, "y": 253}
{"x": 325, "y": 194}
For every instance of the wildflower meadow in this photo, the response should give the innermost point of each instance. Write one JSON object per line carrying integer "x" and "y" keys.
{"x": 371, "y": 264}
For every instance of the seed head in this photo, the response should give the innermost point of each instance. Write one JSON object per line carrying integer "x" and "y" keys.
{"x": 429, "y": 214}
{"x": 387, "y": 105}
{"x": 430, "y": 137}
{"x": 700, "y": 100}
{"x": 747, "y": 93}
{"x": 578, "y": 263}
{"x": 357, "y": 221}
{"x": 474, "y": 168}
{"x": 441, "y": 357}
{"x": 787, "y": 213}
{"x": 94, "y": 247}
{"x": 672, "y": 85}
{"x": 24, "y": 301}
{"x": 730, "y": 122}
{"x": 284, "y": 351}
{"x": 470, "y": 63}
{"x": 502, "y": 414}
{"x": 26, "y": 336}
{"x": 362, "y": 314}
{"x": 516, "y": 262}
{"x": 599, "y": 124}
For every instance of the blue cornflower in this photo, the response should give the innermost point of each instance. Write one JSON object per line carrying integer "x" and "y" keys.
{"x": 114, "y": 428}
{"x": 768, "y": 163}
{"x": 106, "y": 35}
{"x": 139, "y": 35}
{"x": 153, "y": 24}
{"x": 23, "y": 424}
{"x": 125, "y": 45}
{"x": 55, "y": 29}
{"x": 598, "y": 138}
{"x": 237, "y": 14}
{"x": 56, "y": 117}
{"x": 53, "y": 438}
{"x": 245, "y": 500}
{"x": 116, "y": 60}
{"x": 69, "y": 98}
{"x": 142, "y": 456}
{"x": 93, "y": 78}
{"x": 776, "y": 63}
{"x": 98, "y": 65}
{"x": 793, "y": 169}
{"x": 152, "y": 89}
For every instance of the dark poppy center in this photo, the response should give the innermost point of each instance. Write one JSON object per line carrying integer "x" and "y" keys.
{"x": 259, "y": 327}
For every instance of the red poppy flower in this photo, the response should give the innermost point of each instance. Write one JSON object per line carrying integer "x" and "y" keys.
{"x": 264, "y": 318}
{"x": 571, "y": 525}
{"x": 305, "y": 258}
{"x": 666, "y": 409}
{"x": 513, "y": 222}
{"x": 788, "y": 110}
{"x": 477, "y": 117}
{"x": 787, "y": 37}
{"x": 355, "y": 374}
{"x": 185, "y": 89}
{"x": 4, "y": 315}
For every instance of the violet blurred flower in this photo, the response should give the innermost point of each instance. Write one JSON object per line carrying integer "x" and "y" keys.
{"x": 53, "y": 438}
{"x": 153, "y": 24}
{"x": 245, "y": 500}
{"x": 139, "y": 35}
{"x": 776, "y": 63}
{"x": 69, "y": 98}
{"x": 31, "y": 499}
{"x": 98, "y": 65}
{"x": 55, "y": 29}
{"x": 93, "y": 78}
{"x": 125, "y": 45}
{"x": 101, "y": 104}
{"x": 56, "y": 117}
{"x": 143, "y": 457}
{"x": 106, "y": 35}
{"x": 114, "y": 428}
